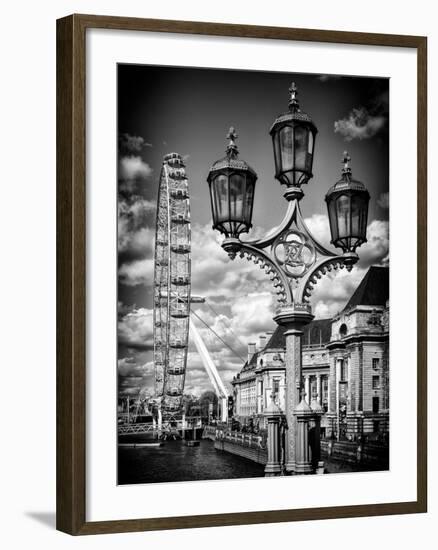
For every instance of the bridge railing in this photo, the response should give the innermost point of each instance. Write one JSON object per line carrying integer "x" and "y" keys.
{"x": 143, "y": 427}
{"x": 252, "y": 441}
{"x": 135, "y": 428}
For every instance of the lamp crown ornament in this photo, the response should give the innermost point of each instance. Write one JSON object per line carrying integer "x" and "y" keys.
{"x": 294, "y": 106}
{"x": 346, "y": 159}
{"x": 232, "y": 150}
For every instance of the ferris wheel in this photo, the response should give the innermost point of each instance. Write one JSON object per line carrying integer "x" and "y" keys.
{"x": 171, "y": 284}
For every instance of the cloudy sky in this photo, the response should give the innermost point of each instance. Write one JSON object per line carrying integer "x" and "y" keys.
{"x": 189, "y": 111}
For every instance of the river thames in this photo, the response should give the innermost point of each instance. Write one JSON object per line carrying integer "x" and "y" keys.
{"x": 174, "y": 461}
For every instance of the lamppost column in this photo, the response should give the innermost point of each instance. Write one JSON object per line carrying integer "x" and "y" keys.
{"x": 303, "y": 462}
{"x": 273, "y": 415}
{"x": 294, "y": 317}
{"x": 307, "y": 388}
{"x": 318, "y": 389}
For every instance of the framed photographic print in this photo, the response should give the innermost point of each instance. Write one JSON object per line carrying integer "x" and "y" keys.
{"x": 241, "y": 288}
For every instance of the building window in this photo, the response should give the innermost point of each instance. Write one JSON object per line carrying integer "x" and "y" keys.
{"x": 376, "y": 426}
{"x": 276, "y": 385}
{"x": 376, "y": 382}
{"x": 343, "y": 330}
{"x": 376, "y": 363}
{"x": 342, "y": 370}
{"x": 375, "y": 405}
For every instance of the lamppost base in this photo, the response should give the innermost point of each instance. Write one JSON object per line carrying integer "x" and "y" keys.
{"x": 294, "y": 192}
{"x": 293, "y": 315}
{"x": 232, "y": 246}
{"x": 303, "y": 468}
{"x": 272, "y": 470}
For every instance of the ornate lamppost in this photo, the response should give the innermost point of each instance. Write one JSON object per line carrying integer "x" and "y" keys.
{"x": 289, "y": 254}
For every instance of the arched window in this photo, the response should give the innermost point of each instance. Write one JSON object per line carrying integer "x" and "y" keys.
{"x": 343, "y": 330}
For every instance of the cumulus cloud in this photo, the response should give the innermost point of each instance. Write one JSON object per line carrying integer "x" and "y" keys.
{"x": 136, "y": 214}
{"x": 383, "y": 201}
{"x": 137, "y": 272}
{"x": 134, "y": 377}
{"x": 252, "y": 314}
{"x": 318, "y": 225}
{"x": 129, "y": 144}
{"x": 335, "y": 289}
{"x": 135, "y": 329}
{"x": 133, "y": 168}
{"x": 135, "y": 365}
{"x": 217, "y": 277}
{"x": 135, "y": 234}
{"x": 376, "y": 250}
{"x": 360, "y": 124}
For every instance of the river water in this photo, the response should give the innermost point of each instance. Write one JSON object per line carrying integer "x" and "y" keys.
{"x": 176, "y": 462}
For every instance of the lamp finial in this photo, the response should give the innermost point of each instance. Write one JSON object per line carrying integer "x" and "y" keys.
{"x": 346, "y": 159}
{"x": 293, "y": 101}
{"x": 232, "y": 150}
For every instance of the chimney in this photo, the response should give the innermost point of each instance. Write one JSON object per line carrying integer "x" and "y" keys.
{"x": 251, "y": 350}
{"x": 262, "y": 341}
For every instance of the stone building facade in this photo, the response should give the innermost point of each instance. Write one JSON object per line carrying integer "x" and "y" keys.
{"x": 345, "y": 366}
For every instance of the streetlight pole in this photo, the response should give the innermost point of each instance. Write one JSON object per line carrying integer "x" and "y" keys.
{"x": 289, "y": 254}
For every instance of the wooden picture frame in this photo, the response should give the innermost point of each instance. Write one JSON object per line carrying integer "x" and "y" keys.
{"x": 71, "y": 274}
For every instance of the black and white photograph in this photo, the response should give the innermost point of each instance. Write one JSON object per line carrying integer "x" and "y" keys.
{"x": 253, "y": 274}
{"x": 218, "y": 275}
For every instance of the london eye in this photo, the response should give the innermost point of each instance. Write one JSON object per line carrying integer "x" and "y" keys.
{"x": 173, "y": 298}
{"x": 171, "y": 284}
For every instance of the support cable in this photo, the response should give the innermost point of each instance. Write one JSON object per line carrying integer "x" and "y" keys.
{"x": 220, "y": 317}
{"x": 217, "y": 336}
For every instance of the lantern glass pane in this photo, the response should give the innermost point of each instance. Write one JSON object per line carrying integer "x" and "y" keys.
{"x": 359, "y": 216}
{"x": 343, "y": 209}
{"x": 237, "y": 189}
{"x": 333, "y": 220}
{"x": 310, "y": 148}
{"x": 356, "y": 204}
{"x": 213, "y": 197}
{"x": 301, "y": 148}
{"x": 364, "y": 217}
{"x": 248, "y": 201}
{"x": 310, "y": 144}
{"x": 277, "y": 152}
{"x": 287, "y": 148}
{"x": 220, "y": 190}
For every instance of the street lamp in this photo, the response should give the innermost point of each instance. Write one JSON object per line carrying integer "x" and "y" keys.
{"x": 347, "y": 204}
{"x": 232, "y": 184}
{"x": 292, "y": 258}
{"x": 293, "y": 137}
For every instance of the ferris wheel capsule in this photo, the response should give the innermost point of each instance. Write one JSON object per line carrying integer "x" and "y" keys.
{"x": 171, "y": 284}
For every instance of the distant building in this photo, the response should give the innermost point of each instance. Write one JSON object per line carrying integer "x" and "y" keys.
{"x": 345, "y": 366}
